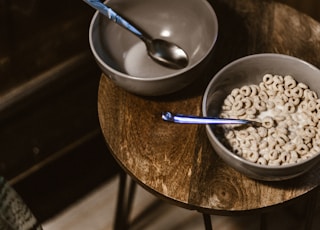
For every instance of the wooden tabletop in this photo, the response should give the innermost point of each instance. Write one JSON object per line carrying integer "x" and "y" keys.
{"x": 177, "y": 162}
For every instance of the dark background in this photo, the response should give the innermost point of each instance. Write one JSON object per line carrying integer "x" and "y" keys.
{"x": 51, "y": 147}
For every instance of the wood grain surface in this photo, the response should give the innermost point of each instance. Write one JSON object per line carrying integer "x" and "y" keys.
{"x": 177, "y": 162}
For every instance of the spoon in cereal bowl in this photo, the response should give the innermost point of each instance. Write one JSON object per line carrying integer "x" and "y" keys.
{"x": 190, "y": 119}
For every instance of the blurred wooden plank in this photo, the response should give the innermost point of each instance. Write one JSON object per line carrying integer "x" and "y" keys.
{"x": 68, "y": 178}
{"x": 310, "y": 7}
{"x": 47, "y": 116}
{"x": 36, "y": 36}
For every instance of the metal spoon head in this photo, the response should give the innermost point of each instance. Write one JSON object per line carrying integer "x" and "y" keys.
{"x": 167, "y": 54}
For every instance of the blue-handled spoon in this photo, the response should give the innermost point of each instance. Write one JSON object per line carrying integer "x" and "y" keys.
{"x": 189, "y": 119}
{"x": 162, "y": 51}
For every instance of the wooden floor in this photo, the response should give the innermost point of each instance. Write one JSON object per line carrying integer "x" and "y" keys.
{"x": 96, "y": 211}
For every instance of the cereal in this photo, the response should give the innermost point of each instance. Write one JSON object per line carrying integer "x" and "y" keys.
{"x": 289, "y": 112}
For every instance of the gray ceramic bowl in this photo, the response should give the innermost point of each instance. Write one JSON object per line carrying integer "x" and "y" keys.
{"x": 250, "y": 70}
{"x": 191, "y": 24}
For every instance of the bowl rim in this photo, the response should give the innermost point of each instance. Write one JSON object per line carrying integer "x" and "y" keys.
{"x": 168, "y": 76}
{"x": 218, "y": 142}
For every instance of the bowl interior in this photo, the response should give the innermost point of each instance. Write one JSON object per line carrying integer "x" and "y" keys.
{"x": 191, "y": 24}
{"x": 250, "y": 70}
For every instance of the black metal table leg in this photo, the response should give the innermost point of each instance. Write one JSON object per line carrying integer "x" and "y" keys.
{"x": 207, "y": 221}
{"x": 124, "y": 202}
{"x": 263, "y": 222}
{"x": 311, "y": 208}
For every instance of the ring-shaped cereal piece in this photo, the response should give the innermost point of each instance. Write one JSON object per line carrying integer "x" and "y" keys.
{"x": 273, "y": 154}
{"x": 282, "y": 139}
{"x": 314, "y": 119}
{"x": 282, "y": 129}
{"x": 271, "y": 133}
{"x": 242, "y": 134}
{"x": 278, "y": 78}
{"x": 288, "y": 77}
{"x": 245, "y": 90}
{"x": 271, "y": 92}
{"x": 276, "y": 162}
{"x": 260, "y": 105}
{"x": 235, "y": 92}
{"x": 238, "y": 151}
{"x": 297, "y": 92}
{"x": 251, "y": 111}
{"x": 252, "y": 156}
{"x": 270, "y": 105}
{"x": 289, "y": 146}
{"x": 285, "y": 157}
{"x": 237, "y": 105}
{"x": 230, "y": 134}
{"x": 294, "y": 155}
{"x": 303, "y": 106}
{"x": 254, "y": 90}
{"x": 294, "y": 100}
{"x": 287, "y": 92}
{"x": 262, "y": 161}
{"x": 229, "y": 100}
{"x": 306, "y": 157}
{"x": 283, "y": 97}
{"x": 310, "y": 95}
{"x": 257, "y": 137}
{"x": 262, "y": 131}
{"x": 247, "y": 102}
{"x": 316, "y": 146}
{"x": 278, "y": 86}
{"x": 245, "y": 143}
{"x": 302, "y": 149}
{"x": 268, "y": 122}
{"x": 239, "y": 97}
{"x": 289, "y": 107}
{"x": 310, "y": 132}
{"x": 279, "y": 101}
{"x": 254, "y": 146}
{"x": 226, "y": 107}
{"x": 263, "y": 145}
{"x": 240, "y": 113}
{"x": 289, "y": 83}
{"x": 312, "y": 105}
{"x": 302, "y": 85}
{"x": 313, "y": 151}
{"x": 279, "y": 118}
{"x": 234, "y": 142}
{"x": 254, "y": 137}
{"x": 263, "y": 95}
{"x": 262, "y": 86}
{"x": 318, "y": 106}
{"x": 267, "y": 79}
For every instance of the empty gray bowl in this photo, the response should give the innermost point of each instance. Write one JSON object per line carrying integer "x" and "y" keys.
{"x": 250, "y": 70}
{"x": 191, "y": 24}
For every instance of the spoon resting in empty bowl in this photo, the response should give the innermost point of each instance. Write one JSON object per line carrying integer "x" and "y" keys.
{"x": 190, "y": 119}
{"x": 163, "y": 52}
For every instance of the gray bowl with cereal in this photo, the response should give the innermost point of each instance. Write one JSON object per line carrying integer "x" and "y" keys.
{"x": 279, "y": 91}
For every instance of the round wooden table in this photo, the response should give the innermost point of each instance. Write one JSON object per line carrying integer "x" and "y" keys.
{"x": 177, "y": 162}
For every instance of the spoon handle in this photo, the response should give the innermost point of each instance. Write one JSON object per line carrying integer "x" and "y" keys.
{"x": 114, "y": 16}
{"x": 188, "y": 119}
